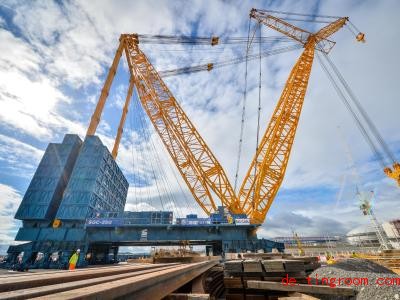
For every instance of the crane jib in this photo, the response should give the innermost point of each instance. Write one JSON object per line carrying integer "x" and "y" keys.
{"x": 197, "y": 165}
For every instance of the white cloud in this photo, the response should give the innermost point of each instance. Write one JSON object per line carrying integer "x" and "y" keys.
{"x": 18, "y": 158}
{"x": 9, "y": 202}
{"x": 118, "y": 99}
{"x": 28, "y": 99}
{"x": 72, "y": 45}
{"x": 12, "y": 48}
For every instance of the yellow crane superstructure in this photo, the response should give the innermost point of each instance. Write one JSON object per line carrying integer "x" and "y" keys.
{"x": 197, "y": 165}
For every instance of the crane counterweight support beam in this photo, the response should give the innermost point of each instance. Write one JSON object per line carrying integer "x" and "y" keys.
{"x": 94, "y": 121}
{"x": 123, "y": 118}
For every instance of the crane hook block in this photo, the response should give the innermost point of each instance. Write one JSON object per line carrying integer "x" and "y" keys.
{"x": 394, "y": 173}
{"x": 210, "y": 66}
{"x": 214, "y": 40}
{"x": 360, "y": 37}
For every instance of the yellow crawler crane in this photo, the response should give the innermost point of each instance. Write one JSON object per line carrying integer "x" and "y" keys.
{"x": 196, "y": 163}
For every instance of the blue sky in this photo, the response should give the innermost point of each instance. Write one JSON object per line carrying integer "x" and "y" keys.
{"x": 54, "y": 57}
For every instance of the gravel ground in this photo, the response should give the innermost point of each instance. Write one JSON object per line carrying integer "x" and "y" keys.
{"x": 362, "y": 265}
{"x": 360, "y": 268}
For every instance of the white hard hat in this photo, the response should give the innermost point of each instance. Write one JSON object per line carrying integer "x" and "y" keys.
{"x": 78, "y": 250}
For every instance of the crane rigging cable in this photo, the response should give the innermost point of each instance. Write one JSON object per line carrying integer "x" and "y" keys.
{"x": 296, "y": 14}
{"x": 364, "y": 114}
{"x": 359, "y": 124}
{"x": 158, "y": 175}
{"x": 140, "y": 179}
{"x": 163, "y": 175}
{"x": 259, "y": 108}
{"x": 134, "y": 178}
{"x": 148, "y": 160}
{"x": 351, "y": 25}
{"x": 304, "y": 20}
{"x": 259, "y": 89}
{"x": 258, "y": 111}
{"x": 233, "y": 61}
{"x": 194, "y": 40}
{"x": 243, "y": 108}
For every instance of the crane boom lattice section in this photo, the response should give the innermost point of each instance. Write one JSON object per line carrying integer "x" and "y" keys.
{"x": 299, "y": 34}
{"x": 268, "y": 167}
{"x": 267, "y": 170}
{"x": 199, "y": 167}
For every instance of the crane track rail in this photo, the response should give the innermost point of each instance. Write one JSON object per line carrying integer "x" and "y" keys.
{"x": 141, "y": 281}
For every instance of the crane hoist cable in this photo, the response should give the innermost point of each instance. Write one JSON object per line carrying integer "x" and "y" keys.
{"x": 357, "y": 33}
{"x": 149, "y": 159}
{"x": 163, "y": 175}
{"x": 157, "y": 168}
{"x": 364, "y": 114}
{"x": 392, "y": 171}
{"x": 259, "y": 89}
{"x": 364, "y": 200}
{"x": 132, "y": 152}
{"x": 243, "y": 108}
{"x": 269, "y": 11}
{"x": 350, "y": 159}
{"x": 259, "y": 103}
{"x": 141, "y": 160}
{"x": 356, "y": 118}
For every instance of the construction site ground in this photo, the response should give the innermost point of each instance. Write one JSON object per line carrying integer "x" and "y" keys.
{"x": 356, "y": 268}
{"x": 250, "y": 276}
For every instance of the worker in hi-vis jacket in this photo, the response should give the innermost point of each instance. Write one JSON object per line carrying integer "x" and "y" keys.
{"x": 74, "y": 259}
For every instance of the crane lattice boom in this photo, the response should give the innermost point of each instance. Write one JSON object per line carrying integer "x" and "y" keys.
{"x": 199, "y": 167}
{"x": 268, "y": 167}
{"x": 196, "y": 163}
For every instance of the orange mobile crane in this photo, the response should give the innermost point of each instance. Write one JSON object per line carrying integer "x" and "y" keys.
{"x": 196, "y": 163}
